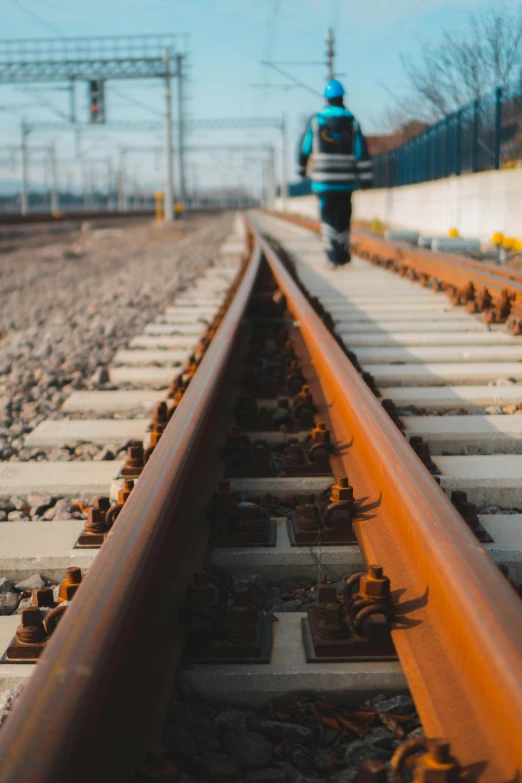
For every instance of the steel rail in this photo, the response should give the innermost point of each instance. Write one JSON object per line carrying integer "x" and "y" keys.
{"x": 98, "y": 697}
{"x": 459, "y": 628}
{"x": 453, "y": 269}
{"x": 88, "y": 214}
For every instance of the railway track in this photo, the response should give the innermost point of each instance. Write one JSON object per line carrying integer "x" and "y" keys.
{"x": 273, "y": 450}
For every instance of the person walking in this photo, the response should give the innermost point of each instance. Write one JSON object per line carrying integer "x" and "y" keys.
{"x": 335, "y": 152}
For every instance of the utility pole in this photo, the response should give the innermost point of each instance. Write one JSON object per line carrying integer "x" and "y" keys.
{"x": 194, "y": 185}
{"x": 72, "y": 100}
{"x": 24, "y": 201}
{"x": 181, "y": 131}
{"x": 284, "y": 189}
{"x": 55, "y": 199}
{"x": 271, "y": 178}
{"x": 110, "y": 186}
{"x": 330, "y": 55}
{"x": 169, "y": 161}
{"x": 122, "y": 182}
{"x": 86, "y": 185}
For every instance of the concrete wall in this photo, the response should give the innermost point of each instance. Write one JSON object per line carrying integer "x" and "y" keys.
{"x": 476, "y": 204}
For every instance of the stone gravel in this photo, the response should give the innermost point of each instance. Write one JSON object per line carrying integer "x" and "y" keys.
{"x": 311, "y": 740}
{"x": 68, "y": 307}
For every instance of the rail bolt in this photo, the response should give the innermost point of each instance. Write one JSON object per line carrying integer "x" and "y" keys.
{"x": 326, "y": 594}
{"x": 437, "y": 765}
{"x": 294, "y": 454}
{"x": 342, "y": 491}
{"x": 320, "y": 434}
{"x": 102, "y": 503}
{"x": 135, "y": 459}
{"x": 95, "y": 522}
{"x": 307, "y": 516}
{"x": 123, "y": 494}
{"x": 43, "y": 597}
{"x": 240, "y": 623}
{"x": 224, "y": 497}
{"x": 73, "y": 578}
{"x": 329, "y": 628}
{"x": 374, "y": 584}
{"x": 201, "y": 591}
{"x": 160, "y": 413}
{"x": 31, "y": 629}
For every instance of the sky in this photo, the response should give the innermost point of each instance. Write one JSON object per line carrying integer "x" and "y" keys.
{"x": 227, "y": 40}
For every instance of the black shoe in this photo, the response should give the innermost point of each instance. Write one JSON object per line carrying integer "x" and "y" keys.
{"x": 346, "y": 261}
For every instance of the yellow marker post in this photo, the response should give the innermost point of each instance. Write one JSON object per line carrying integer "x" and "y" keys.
{"x": 179, "y": 209}
{"x": 497, "y": 239}
{"x": 160, "y": 206}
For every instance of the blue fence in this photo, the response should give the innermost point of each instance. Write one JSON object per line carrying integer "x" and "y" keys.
{"x": 485, "y": 134}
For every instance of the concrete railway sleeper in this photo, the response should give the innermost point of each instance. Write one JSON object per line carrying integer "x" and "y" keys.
{"x": 275, "y": 539}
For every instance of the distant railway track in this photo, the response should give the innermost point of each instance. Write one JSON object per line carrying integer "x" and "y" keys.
{"x": 288, "y": 344}
{"x": 84, "y": 214}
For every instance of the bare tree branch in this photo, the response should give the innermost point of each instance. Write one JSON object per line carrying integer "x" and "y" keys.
{"x": 462, "y": 67}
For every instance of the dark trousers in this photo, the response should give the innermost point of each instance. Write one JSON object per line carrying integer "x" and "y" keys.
{"x": 336, "y": 213}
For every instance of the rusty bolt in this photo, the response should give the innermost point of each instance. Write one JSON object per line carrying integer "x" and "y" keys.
{"x": 341, "y": 491}
{"x": 160, "y": 414}
{"x": 31, "y": 629}
{"x": 102, "y": 503}
{"x": 294, "y": 454}
{"x": 437, "y": 765}
{"x": 73, "y": 578}
{"x": 307, "y": 516}
{"x": 239, "y": 624}
{"x": 242, "y": 596}
{"x": 123, "y": 494}
{"x": 201, "y": 591}
{"x": 329, "y": 628}
{"x": 374, "y": 584}
{"x": 326, "y": 595}
{"x": 135, "y": 459}
{"x": 43, "y": 596}
{"x": 320, "y": 434}
{"x": 224, "y": 497}
{"x": 95, "y": 522}
{"x": 252, "y": 517}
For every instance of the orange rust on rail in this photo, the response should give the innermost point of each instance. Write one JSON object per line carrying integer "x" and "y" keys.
{"x": 100, "y": 693}
{"x": 459, "y": 629}
{"x": 454, "y": 270}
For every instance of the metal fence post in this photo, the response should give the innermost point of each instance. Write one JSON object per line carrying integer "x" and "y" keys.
{"x": 445, "y": 163}
{"x": 458, "y": 143}
{"x": 498, "y": 126}
{"x": 474, "y": 136}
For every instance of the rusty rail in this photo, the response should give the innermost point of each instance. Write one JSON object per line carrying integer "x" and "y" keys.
{"x": 454, "y": 270}
{"x": 99, "y": 695}
{"x": 459, "y": 633}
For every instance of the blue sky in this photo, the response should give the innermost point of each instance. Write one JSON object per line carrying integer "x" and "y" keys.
{"x": 227, "y": 40}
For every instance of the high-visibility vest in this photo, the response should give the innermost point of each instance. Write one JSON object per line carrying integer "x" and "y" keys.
{"x": 332, "y": 156}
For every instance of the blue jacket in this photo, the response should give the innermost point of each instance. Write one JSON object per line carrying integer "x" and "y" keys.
{"x": 338, "y": 151}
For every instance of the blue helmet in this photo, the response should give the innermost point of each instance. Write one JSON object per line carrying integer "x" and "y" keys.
{"x": 334, "y": 89}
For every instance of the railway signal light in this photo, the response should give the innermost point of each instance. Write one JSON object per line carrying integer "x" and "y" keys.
{"x": 96, "y": 101}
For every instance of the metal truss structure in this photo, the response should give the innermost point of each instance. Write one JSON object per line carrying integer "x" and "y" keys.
{"x": 227, "y": 123}
{"x": 84, "y": 59}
